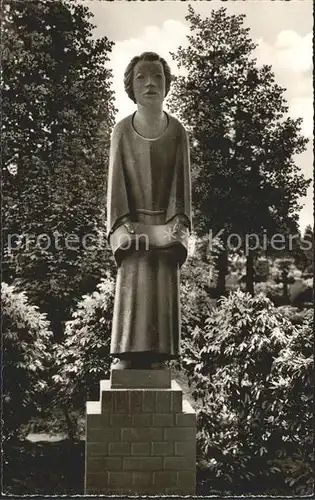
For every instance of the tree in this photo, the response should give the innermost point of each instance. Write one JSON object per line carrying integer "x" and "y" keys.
{"x": 27, "y": 356}
{"x": 244, "y": 175}
{"x": 57, "y": 117}
{"x": 251, "y": 369}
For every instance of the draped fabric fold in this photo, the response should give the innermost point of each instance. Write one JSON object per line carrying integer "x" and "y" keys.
{"x": 180, "y": 195}
{"x": 117, "y": 198}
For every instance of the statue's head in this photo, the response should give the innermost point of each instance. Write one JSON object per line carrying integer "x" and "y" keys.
{"x": 147, "y": 78}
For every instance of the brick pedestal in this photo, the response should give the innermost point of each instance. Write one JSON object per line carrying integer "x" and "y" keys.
{"x": 140, "y": 440}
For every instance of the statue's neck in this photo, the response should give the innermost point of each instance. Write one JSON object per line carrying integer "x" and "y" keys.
{"x": 150, "y": 122}
{"x": 150, "y": 115}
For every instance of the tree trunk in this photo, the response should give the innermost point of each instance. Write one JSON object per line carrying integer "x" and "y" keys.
{"x": 71, "y": 426}
{"x": 285, "y": 283}
{"x": 222, "y": 265}
{"x": 250, "y": 273}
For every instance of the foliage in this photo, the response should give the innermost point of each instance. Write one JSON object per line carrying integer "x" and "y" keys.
{"x": 280, "y": 265}
{"x": 237, "y": 263}
{"x": 293, "y": 389}
{"x": 301, "y": 292}
{"x": 303, "y": 251}
{"x": 295, "y": 315}
{"x": 195, "y": 281}
{"x": 57, "y": 117}
{"x": 262, "y": 269}
{"x": 83, "y": 358}
{"x": 240, "y": 134}
{"x": 242, "y": 370}
{"x": 308, "y": 249}
{"x": 27, "y": 356}
{"x": 269, "y": 288}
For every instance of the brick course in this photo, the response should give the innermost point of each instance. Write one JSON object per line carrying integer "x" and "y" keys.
{"x": 142, "y": 434}
{"x": 162, "y": 448}
{"x": 164, "y": 478}
{"x": 148, "y": 401}
{"x": 120, "y": 419}
{"x": 185, "y": 448}
{"x": 142, "y": 463}
{"x": 163, "y": 419}
{"x": 142, "y": 419}
{"x": 178, "y": 463}
{"x": 120, "y": 479}
{"x": 120, "y": 449}
{"x": 186, "y": 478}
{"x": 99, "y": 465}
{"x": 186, "y": 419}
{"x": 141, "y": 449}
{"x": 107, "y": 435}
{"x": 142, "y": 478}
{"x": 179, "y": 433}
{"x": 97, "y": 421}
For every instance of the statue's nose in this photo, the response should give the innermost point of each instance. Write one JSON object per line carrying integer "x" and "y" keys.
{"x": 149, "y": 81}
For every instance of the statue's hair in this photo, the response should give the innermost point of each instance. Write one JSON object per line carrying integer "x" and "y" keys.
{"x": 145, "y": 56}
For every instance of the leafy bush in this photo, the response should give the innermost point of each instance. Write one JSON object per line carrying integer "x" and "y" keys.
{"x": 195, "y": 300}
{"x": 83, "y": 358}
{"x": 269, "y": 288}
{"x": 294, "y": 314}
{"x": 240, "y": 366}
{"x": 273, "y": 291}
{"x": 26, "y": 360}
{"x": 195, "y": 292}
{"x": 262, "y": 269}
{"x": 293, "y": 389}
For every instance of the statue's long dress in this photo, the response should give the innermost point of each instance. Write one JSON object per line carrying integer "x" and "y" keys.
{"x": 149, "y": 182}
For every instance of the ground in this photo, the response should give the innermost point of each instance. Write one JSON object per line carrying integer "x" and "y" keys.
{"x": 44, "y": 467}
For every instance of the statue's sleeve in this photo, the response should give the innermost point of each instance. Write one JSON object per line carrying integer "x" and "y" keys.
{"x": 117, "y": 200}
{"x": 180, "y": 196}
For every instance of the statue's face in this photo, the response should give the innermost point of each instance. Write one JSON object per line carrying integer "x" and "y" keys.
{"x": 149, "y": 83}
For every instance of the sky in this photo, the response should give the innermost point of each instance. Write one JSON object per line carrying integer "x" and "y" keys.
{"x": 282, "y": 30}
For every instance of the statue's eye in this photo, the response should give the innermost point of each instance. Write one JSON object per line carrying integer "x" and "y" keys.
{"x": 140, "y": 76}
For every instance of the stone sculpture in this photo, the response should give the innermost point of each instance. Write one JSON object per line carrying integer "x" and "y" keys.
{"x": 148, "y": 218}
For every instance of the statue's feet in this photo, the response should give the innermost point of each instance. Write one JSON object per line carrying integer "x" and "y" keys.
{"x": 121, "y": 364}
{"x": 127, "y": 364}
{"x": 160, "y": 365}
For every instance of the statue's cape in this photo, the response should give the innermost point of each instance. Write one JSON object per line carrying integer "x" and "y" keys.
{"x": 125, "y": 157}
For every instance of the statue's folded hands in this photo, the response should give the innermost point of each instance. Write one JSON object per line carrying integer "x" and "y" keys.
{"x": 173, "y": 234}
{"x": 180, "y": 224}
{"x": 129, "y": 226}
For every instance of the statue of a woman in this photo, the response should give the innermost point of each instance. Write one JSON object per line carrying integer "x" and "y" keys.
{"x": 149, "y": 194}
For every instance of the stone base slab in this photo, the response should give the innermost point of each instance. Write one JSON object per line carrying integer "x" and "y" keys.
{"x": 140, "y": 441}
{"x": 141, "y": 379}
